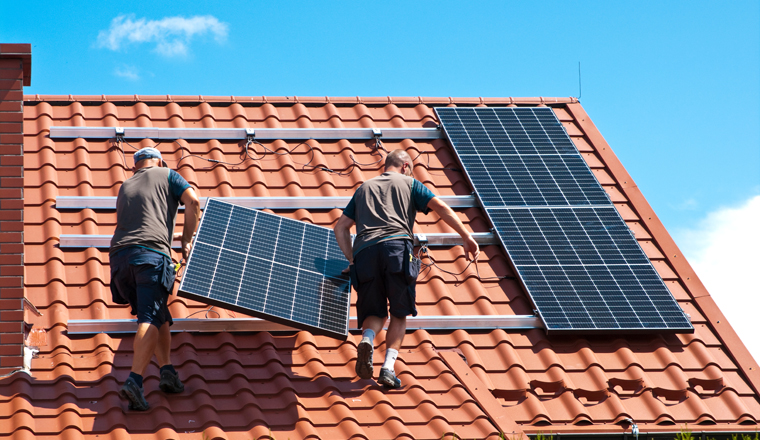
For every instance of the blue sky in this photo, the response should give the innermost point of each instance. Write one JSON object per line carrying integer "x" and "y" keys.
{"x": 673, "y": 86}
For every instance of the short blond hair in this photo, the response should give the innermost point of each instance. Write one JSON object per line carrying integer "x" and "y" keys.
{"x": 397, "y": 158}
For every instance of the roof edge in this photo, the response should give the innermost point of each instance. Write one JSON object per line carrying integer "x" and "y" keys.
{"x": 350, "y": 100}
{"x": 702, "y": 299}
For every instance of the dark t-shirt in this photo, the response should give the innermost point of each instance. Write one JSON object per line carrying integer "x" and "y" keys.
{"x": 384, "y": 208}
{"x": 146, "y": 210}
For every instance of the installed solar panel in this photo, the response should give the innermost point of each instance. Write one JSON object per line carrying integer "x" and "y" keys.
{"x": 578, "y": 260}
{"x": 269, "y": 266}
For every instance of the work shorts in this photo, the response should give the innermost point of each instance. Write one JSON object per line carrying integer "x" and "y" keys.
{"x": 143, "y": 279}
{"x": 385, "y": 274}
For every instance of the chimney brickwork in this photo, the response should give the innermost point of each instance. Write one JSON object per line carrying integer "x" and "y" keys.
{"x": 15, "y": 73}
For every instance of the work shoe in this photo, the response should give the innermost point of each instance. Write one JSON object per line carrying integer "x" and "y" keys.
{"x": 364, "y": 359}
{"x": 134, "y": 394}
{"x": 170, "y": 383}
{"x": 388, "y": 379}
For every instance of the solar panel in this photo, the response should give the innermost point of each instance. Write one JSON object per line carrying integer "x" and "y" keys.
{"x": 272, "y": 267}
{"x": 576, "y": 257}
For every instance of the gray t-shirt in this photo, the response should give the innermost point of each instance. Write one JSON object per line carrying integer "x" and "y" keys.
{"x": 384, "y": 208}
{"x": 146, "y": 210}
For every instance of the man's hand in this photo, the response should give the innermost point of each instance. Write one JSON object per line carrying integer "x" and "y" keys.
{"x": 471, "y": 247}
{"x": 187, "y": 246}
{"x": 342, "y": 231}
{"x": 192, "y": 214}
{"x": 450, "y": 218}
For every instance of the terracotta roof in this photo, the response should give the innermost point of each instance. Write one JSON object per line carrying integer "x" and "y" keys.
{"x": 295, "y": 385}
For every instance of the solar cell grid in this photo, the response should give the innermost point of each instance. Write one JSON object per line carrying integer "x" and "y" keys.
{"x": 269, "y": 266}
{"x": 574, "y": 253}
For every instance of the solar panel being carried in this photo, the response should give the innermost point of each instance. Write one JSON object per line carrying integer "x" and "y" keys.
{"x": 272, "y": 267}
{"x": 576, "y": 257}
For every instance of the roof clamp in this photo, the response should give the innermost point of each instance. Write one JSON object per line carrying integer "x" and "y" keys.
{"x": 119, "y": 134}
{"x": 422, "y": 239}
{"x": 250, "y": 134}
{"x": 376, "y": 132}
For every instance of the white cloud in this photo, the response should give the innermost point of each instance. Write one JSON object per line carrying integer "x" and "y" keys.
{"x": 127, "y": 72}
{"x": 724, "y": 250}
{"x": 171, "y": 35}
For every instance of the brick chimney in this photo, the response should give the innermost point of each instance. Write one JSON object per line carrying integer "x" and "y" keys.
{"x": 15, "y": 73}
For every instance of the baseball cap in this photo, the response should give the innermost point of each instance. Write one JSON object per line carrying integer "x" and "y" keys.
{"x": 147, "y": 153}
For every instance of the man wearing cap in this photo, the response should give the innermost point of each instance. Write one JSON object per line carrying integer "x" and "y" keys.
{"x": 142, "y": 273}
{"x": 383, "y": 269}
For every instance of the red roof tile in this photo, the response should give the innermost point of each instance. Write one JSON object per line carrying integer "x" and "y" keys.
{"x": 295, "y": 385}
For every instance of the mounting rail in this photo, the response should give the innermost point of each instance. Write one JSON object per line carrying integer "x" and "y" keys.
{"x": 316, "y": 202}
{"x": 465, "y": 322}
{"x": 439, "y": 239}
{"x": 260, "y": 134}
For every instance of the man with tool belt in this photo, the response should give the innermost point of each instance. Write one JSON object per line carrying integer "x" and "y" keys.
{"x": 383, "y": 269}
{"x": 142, "y": 272}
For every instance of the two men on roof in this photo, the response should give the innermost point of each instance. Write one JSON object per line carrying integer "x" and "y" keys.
{"x": 383, "y": 268}
{"x": 142, "y": 272}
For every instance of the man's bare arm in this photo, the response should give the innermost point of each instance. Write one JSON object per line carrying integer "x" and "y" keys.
{"x": 450, "y": 218}
{"x": 192, "y": 214}
{"x": 343, "y": 236}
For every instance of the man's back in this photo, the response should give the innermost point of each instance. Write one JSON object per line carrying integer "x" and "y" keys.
{"x": 384, "y": 208}
{"x": 146, "y": 210}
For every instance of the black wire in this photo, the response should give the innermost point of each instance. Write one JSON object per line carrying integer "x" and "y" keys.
{"x": 429, "y": 168}
{"x": 428, "y": 267}
{"x": 355, "y": 163}
{"x": 123, "y": 157}
{"x": 209, "y": 310}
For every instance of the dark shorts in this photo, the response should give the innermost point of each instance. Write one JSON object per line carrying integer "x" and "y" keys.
{"x": 385, "y": 274}
{"x": 143, "y": 279}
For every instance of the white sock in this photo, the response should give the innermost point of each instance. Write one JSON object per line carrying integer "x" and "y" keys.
{"x": 390, "y": 359}
{"x": 368, "y": 333}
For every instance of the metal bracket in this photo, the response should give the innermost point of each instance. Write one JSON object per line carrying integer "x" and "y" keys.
{"x": 376, "y": 132}
{"x": 422, "y": 239}
{"x": 250, "y": 133}
{"x": 119, "y": 134}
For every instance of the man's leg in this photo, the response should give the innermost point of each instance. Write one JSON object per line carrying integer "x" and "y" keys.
{"x": 374, "y": 323}
{"x": 370, "y": 327}
{"x": 170, "y": 382}
{"x": 164, "y": 345}
{"x": 146, "y": 341}
{"x": 393, "y": 339}
{"x": 396, "y": 333}
{"x": 144, "y": 346}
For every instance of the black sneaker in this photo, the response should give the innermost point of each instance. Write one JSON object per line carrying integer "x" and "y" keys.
{"x": 170, "y": 382}
{"x": 364, "y": 359}
{"x": 388, "y": 379}
{"x": 134, "y": 394}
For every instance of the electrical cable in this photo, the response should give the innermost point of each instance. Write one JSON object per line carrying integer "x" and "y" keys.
{"x": 428, "y": 267}
{"x": 209, "y": 310}
{"x": 429, "y": 168}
